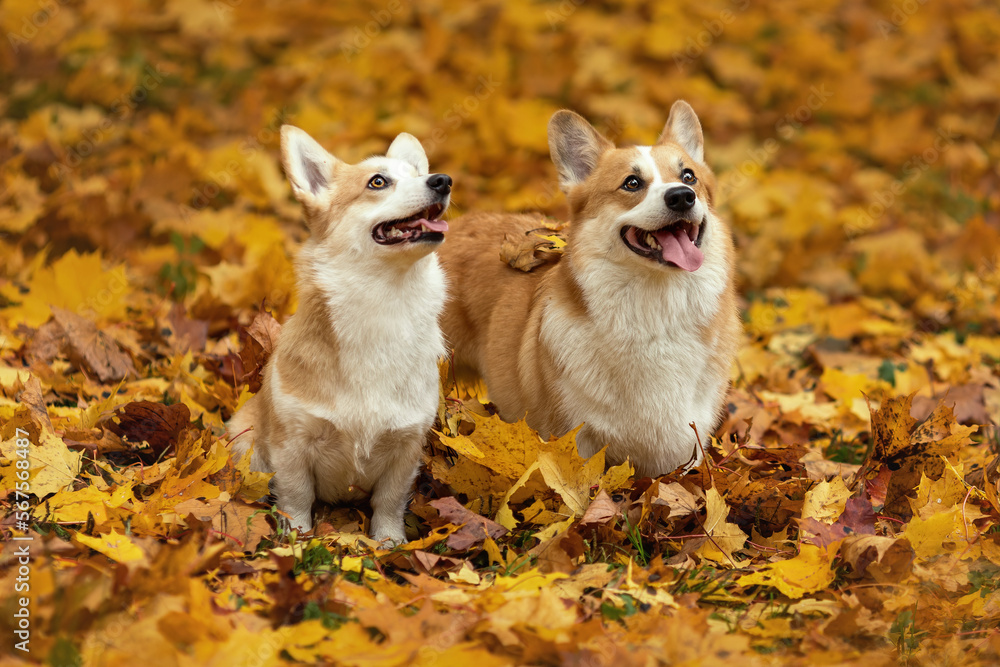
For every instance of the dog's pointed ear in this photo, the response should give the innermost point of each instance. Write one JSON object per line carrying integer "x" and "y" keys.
{"x": 575, "y": 147}
{"x": 308, "y": 165}
{"x": 684, "y": 129}
{"x": 407, "y": 148}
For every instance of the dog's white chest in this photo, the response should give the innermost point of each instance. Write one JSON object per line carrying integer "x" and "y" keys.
{"x": 638, "y": 373}
{"x": 389, "y": 342}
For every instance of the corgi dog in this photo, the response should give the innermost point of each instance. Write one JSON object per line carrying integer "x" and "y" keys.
{"x": 633, "y": 331}
{"x": 351, "y": 389}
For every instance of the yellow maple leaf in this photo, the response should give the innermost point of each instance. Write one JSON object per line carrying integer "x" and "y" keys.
{"x": 253, "y": 485}
{"x": 508, "y": 449}
{"x": 810, "y": 571}
{"x": 480, "y": 484}
{"x": 114, "y": 545}
{"x": 54, "y": 466}
{"x": 616, "y": 476}
{"x": 75, "y": 282}
{"x": 76, "y": 506}
{"x": 505, "y": 517}
{"x": 928, "y": 536}
{"x": 493, "y": 551}
{"x": 826, "y": 501}
{"x": 526, "y": 122}
{"x": 528, "y": 581}
{"x": 568, "y": 474}
{"x": 844, "y": 388}
{"x": 557, "y": 241}
{"x": 21, "y": 202}
{"x": 935, "y": 496}
{"x": 726, "y": 537}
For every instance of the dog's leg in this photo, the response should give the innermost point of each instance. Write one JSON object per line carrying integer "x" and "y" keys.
{"x": 392, "y": 492}
{"x": 296, "y": 491}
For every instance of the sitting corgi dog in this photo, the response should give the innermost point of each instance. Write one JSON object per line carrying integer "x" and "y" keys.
{"x": 634, "y": 330}
{"x": 351, "y": 389}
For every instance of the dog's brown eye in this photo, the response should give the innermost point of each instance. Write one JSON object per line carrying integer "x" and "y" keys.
{"x": 688, "y": 177}
{"x": 377, "y": 182}
{"x": 631, "y": 184}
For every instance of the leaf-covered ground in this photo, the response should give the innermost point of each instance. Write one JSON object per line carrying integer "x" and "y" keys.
{"x": 848, "y": 513}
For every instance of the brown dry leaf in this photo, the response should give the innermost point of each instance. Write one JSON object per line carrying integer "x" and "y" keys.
{"x": 821, "y": 534}
{"x": 904, "y": 450}
{"x": 185, "y": 334}
{"x": 600, "y": 511}
{"x": 475, "y": 528}
{"x": 894, "y": 555}
{"x": 260, "y": 341}
{"x": 858, "y": 516}
{"x": 532, "y": 249}
{"x": 156, "y": 424}
{"x": 891, "y": 427}
{"x": 680, "y": 501}
{"x": 242, "y": 524}
{"x": 29, "y": 395}
{"x": 47, "y": 344}
{"x": 90, "y": 350}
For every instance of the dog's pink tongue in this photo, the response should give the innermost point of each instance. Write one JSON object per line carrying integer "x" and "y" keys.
{"x": 431, "y": 225}
{"x": 434, "y": 225}
{"x": 679, "y": 249}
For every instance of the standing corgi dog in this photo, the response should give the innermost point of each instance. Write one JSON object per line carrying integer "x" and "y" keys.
{"x": 633, "y": 332}
{"x": 351, "y": 389}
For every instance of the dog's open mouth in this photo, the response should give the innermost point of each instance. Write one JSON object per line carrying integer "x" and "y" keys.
{"x": 423, "y": 225}
{"x": 677, "y": 244}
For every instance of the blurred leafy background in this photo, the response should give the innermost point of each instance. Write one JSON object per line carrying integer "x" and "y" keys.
{"x": 856, "y": 145}
{"x": 856, "y": 142}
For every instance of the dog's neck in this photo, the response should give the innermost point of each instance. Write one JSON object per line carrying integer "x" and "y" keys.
{"x": 360, "y": 290}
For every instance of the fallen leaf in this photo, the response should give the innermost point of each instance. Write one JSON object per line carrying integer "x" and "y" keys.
{"x": 115, "y": 546}
{"x": 91, "y": 350}
{"x": 826, "y": 501}
{"x": 569, "y": 475}
{"x": 724, "y": 537}
{"x": 600, "y": 511}
{"x": 475, "y": 528}
{"x": 241, "y": 524}
{"x": 156, "y": 424}
{"x": 532, "y": 249}
{"x": 259, "y": 343}
{"x": 810, "y": 571}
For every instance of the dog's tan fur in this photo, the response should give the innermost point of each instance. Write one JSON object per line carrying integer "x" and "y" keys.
{"x": 352, "y": 386}
{"x": 635, "y": 349}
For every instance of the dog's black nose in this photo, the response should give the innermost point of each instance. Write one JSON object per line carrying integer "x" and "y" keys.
{"x": 440, "y": 183}
{"x": 680, "y": 198}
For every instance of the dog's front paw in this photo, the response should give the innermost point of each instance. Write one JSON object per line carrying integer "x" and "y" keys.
{"x": 391, "y": 541}
{"x": 286, "y": 523}
{"x": 390, "y": 536}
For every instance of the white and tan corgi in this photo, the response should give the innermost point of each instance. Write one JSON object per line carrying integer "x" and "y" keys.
{"x": 351, "y": 389}
{"x": 633, "y": 332}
